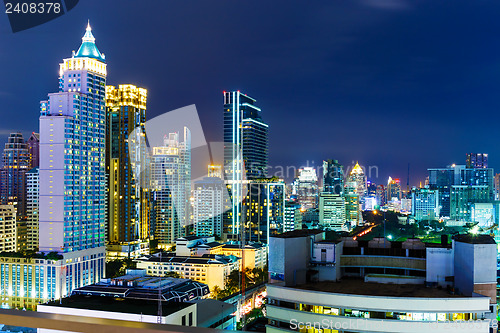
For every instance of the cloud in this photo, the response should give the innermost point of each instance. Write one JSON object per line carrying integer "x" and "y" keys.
{"x": 388, "y": 4}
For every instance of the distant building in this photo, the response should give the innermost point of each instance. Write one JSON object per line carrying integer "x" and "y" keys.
{"x": 209, "y": 205}
{"x": 352, "y": 204}
{"x": 293, "y": 216}
{"x": 332, "y": 211}
{"x": 425, "y": 204}
{"x": 8, "y": 239}
{"x": 32, "y": 207}
{"x": 34, "y": 149}
{"x": 215, "y": 171}
{"x": 357, "y": 176}
{"x": 381, "y": 195}
{"x": 462, "y": 197}
{"x": 370, "y": 203}
{"x": 305, "y": 188}
{"x": 171, "y": 185}
{"x": 333, "y": 177}
{"x": 497, "y": 186}
{"x": 476, "y": 161}
{"x": 393, "y": 189}
{"x": 15, "y": 164}
{"x": 485, "y": 214}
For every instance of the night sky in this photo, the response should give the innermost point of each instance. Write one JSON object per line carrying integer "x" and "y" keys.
{"x": 385, "y": 82}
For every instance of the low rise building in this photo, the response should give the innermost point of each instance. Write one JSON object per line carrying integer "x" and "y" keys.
{"x": 211, "y": 269}
{"x": 380, "y": 286}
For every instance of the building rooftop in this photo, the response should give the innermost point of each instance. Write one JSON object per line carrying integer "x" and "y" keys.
{"x": 298, "y": 233}
{"x": 204, "y": 259}
{"x": 359, "y": 287}
{"x": 116, "y": 304}
{"x": 141, "y": 286}
{"x": 475, "y": 239}
{"x": 210, "y": 310}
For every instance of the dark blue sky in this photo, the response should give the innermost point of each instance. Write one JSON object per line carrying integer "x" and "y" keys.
{"x": 385, "y": 82}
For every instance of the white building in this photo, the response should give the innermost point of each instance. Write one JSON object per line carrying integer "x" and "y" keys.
{"x": 210, "y": 269}
{"x": 332, "y": 211}
{"x": 425, "y": 204}
{"x": 208, "y": 208}
{"x": 8, "y": 229}
{"x": 312, "y": 285}
{"x": 32, "y": 196}
{"x": 171, "y": 186}
{"x": 293, "y": 216}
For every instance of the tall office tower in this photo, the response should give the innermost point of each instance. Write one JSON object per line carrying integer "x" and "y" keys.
{"x": 264, "y": 209}
{"x": 32, "y": 195}
{"x": 462, "y": 197}
{"x": 353, "y": 213}
{"x": 34, "y": 150}
{"x": 381, "y": 195}
{"x": 126, "y": 156}
{"x": 244, "y": 129}
{"x": 425, "y": 204}
{"x": 16, "y": 162}
{"x": 72, "y": 188}
{"x": 443, "y": 179}
{"x": 245, "y": 152}
{"x": 497, "y": 186}
{"x": 371, "y": 188}
{"x": 332, "y": 211}
{"x": 479, "y": 176}
{"x": 333, "y": 177}
{"x": 293, "y": 216}
{"x": 215, "y": 171}
{"x": 8, "y": 241}
{"x": 357, "y": 176}
{"x": 476, "y": 161}
{"x": 393, "y": 189}
{"x": 209, "y": 203}
{"x": 305, "y": 187}
{"x": 169, "y": 165}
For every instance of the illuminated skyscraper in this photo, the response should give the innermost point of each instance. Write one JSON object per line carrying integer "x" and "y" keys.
{"x": 352, "y": 204}
{"x": 381, "y": 195}
{"x": 477, "y": 161}
{"x": 332, "y": 211}
{"x": 34, "y": 149}
{"x": 128, "y": 197}
{"x": 357, "y": 176}
{"x": 72, "y": 187}
{"x": 209, "y": 204}
{"x": 32, "y": 207}
{"x": 305, "y": 187}
{"x": 16, "y": 162}
{"x": 170, "y": 183}
{"x": 245, "y": 151}
{"x": 393, "y": 189}
{"x": 333, "y": 177}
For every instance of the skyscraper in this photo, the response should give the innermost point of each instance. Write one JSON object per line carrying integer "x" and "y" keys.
{"x": 245, "y": 151}
{"x": 357, "y": 175}
{"x": 170, "y": 171}
{"x": 128, "y": 197}
{"x": 332, "y": 211}
{"x": 393, "y": 189}
{"x": 333, "y": 177}
{"x": 34, "y": 149}
{"x": 72, "y": 188}
{"x": 209, "y": 204}
{"x": 476, "y": 160}
{"x": 72, "y": 160}
{"x": 305, "y": 187}
{"x": 244, "y": 129}
{"x": 425, "y": 204}
{"x": 32, "y": 207}
{"x": 16, "y": 161}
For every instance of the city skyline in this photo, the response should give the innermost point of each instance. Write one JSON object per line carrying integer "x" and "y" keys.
{"x": 419, "y": 85}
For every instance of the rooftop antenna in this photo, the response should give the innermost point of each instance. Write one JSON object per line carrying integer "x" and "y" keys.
{"x": 408, "y": 181}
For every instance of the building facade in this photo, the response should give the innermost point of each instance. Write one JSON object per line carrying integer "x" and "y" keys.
{"x": 332, "y": 211}
{"x": 209, "y": 205}
{"x": 8, "y": 228}
{"x": 15, "y": 164}
{"x": 305, "y": 187}
{"x": 170, "y": 186}
{"x": 128, "y": 202}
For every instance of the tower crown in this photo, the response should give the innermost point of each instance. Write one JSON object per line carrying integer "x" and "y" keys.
{"x": 88, "y": 49}
{"x": 357, "y": 169}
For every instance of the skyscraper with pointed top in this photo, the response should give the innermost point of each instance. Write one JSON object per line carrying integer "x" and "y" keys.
{"x": 71, "y": 188}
